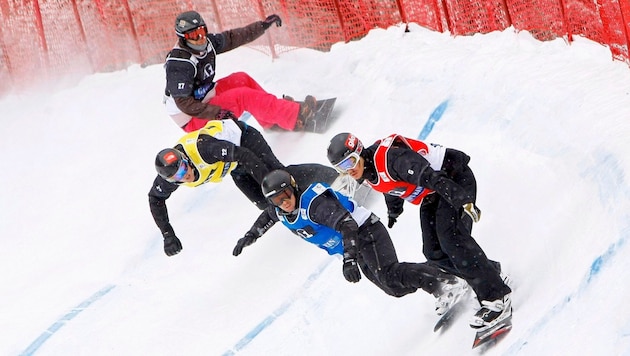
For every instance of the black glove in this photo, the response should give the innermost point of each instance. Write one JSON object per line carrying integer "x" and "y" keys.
{"x": 270, "y": 20}
{"x": 391, "y": 221}
{"x": 226, "y": 114}
{"x": 172, "y": 245}
{"x": 247, "y": 240}
{"x": 392, "y": 216}
{"x": 351, "y": 270}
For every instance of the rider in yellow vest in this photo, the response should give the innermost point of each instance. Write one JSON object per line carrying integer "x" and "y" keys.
{"x": 220, "y": 148}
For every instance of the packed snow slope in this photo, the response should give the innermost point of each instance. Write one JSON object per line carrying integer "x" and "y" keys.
{"x": 546, "y": 125}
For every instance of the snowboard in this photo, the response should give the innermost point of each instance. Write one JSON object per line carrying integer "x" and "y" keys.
{"x": 323, "y": 117}
{"x": 487, "y": 337}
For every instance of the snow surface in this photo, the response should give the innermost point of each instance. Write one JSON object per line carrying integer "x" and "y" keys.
{"x": 546, "y": 125}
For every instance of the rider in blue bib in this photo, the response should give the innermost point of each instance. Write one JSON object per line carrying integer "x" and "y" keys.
{"x": 336, "y": 223}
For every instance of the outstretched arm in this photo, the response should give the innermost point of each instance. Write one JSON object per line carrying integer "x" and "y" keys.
{"x": 265, "y": 221}
{"x": 230, "y": 39}
{"x": 160, "y": 191}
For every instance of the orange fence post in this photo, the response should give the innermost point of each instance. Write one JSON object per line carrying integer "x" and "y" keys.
{"x": 261, "y": 13}
{"x": 217, "y": 16}
{"x": 40, "y": 32}
{"x": 403, "y": 15}
{"x": 625, "y": 16}
{"x": 134, "y": 34}
{"x": 5, "y": 85}
{"x": 341, "y": 24}
{"x": 566, "y": 21}
{"x": 77, "y": 17}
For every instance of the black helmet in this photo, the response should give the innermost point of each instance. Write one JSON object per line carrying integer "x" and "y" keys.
{"x": 341, "y": 146}
{"x": 169, "y": 161}
{"x": 275, "y": 182}
{"x": 188, "y": 21}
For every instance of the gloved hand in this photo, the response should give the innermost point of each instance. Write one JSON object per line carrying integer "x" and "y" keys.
{"x": 226, "y": 114}
{"x": 351, "y": 270}
{"x": 392, "y": 215}
{"x": 201, "y": 92}
{"x": 473, "y": 211}
{"x": 247, "y": 240}
{"x": 271, "y": 19}
{"x": 391, "y": 221}
{"x": 172, "y": 245}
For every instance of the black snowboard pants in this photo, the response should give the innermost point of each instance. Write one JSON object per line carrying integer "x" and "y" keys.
{"x": 379, "y": 263}
{"x": 253, "y": 140}
{"x": 449, "y": 245}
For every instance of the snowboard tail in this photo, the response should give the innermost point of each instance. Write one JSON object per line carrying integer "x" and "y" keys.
{"x": 323, "y": 118}
{"x": 489, "y": 336}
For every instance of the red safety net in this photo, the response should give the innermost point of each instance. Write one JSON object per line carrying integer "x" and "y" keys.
{"x": 46, "y": 40}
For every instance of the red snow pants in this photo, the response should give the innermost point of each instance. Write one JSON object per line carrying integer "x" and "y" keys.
{"x": 239, "y": 92}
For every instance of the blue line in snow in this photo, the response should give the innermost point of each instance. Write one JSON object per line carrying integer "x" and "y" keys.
{"x": 596, "y": 267}
{"x": 278, "y": 312}
{"x": 428, "y": 127}
{"x": 35, "y": 345}
{"x": 609, "y": 178}
{"x": 435, "y": 116}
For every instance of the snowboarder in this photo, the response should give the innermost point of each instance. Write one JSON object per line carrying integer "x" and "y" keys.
{"x": 208, "y": 155}
{"x": 192, "y": 96}
{"x": 312, "y": 210}
{"x": 441, "y": 182}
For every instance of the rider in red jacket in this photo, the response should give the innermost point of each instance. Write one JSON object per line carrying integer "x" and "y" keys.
{"x": 441, "y": 182}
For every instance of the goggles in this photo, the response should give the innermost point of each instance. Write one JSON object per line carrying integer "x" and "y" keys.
{"x": 181, "y": 172}
{"x": 280, "y": 198}
{"x": 348, "y": 163}
{"x": 196, "y": 33}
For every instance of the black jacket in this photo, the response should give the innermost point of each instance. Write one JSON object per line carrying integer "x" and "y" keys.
{"x": 403, "y": 164}
{"x": 214, "y": 150}
{"x": 187, "y": 71}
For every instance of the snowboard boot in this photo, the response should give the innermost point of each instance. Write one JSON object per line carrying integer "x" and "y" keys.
{"x": 307, "y": 111}
{"x": 492, "y": 312}
{"x": 449, "y": 294}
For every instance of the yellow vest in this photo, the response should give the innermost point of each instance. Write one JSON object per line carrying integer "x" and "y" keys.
{"x": 208, "y": 172}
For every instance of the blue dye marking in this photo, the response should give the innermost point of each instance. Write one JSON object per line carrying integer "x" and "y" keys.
{"x": 277, "y": 313}
{"x": 595, "y": 269}
{"x": 435, "y": 116}
{"x": 35, "y": 345}
{"x": 609, "y": 179}
{"x": 428, "y": 127}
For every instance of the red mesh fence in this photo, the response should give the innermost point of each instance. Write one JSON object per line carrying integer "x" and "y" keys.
{"x": 615, "y": 18}
{"x": 477, "y": 16}
{"x": 427, "y": 13}
{"x": 545, "y": 21}
{"x": 45, "y": 40}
